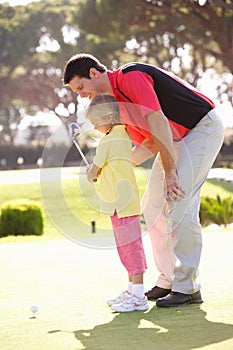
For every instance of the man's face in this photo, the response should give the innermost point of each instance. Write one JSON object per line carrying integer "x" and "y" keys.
{"x": 85, "y": 87}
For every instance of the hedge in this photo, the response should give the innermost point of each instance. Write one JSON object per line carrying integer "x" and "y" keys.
{"x": 21, "y": 217}
{"x": 216, "y": 211}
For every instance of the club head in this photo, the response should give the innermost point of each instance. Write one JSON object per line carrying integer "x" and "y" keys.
{"x": 74, "y": 130}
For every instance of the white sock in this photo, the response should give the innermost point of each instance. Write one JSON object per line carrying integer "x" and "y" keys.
{"x": 130, "y": 287}
{"x": 138, "y": 290}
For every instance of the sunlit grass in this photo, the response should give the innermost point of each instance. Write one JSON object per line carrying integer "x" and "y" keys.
{"x": 70, "y": 283}
{"x": 75, "y": 197}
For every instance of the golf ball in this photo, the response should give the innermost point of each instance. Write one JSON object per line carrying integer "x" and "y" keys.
{"x": 34, "y": 308}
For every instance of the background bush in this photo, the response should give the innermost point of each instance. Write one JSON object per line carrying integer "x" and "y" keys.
{"x": 1, "y": 230}
{"x": 216, "y": 210}
{"x": 21, "y": 217}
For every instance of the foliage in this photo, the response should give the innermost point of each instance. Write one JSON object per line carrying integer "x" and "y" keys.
{"x": 33, "y": 51}
{"x": 162, "y": 32}
{"x": 12, "y": 157}
{"x": 21, "y": 217}
{"x": 216, "y": 210}
{"x": 37, "y": 39}
{"x": 29, "y": 156}
{"x": 2, "y": 234}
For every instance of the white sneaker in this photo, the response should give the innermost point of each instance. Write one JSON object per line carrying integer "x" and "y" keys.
{"x": 132, "y": 303}
{"x": 123, "y": 296}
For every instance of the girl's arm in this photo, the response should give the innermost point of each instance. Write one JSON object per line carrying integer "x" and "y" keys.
{"x": 92, "y": 172}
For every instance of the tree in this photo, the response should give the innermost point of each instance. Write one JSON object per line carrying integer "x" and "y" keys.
{"x": 37, "y": 39}
{"x": 163, "y": 32}
{"x": 34, "y": 46}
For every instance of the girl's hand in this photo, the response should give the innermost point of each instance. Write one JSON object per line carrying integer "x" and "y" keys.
{"x": 92, "y": 172}
{"x": 88, "y": 167}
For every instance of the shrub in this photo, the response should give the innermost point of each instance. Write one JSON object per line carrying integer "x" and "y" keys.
{"x": 2, "y": 234}
{"x": 216, "y": 210}
{"x": 21, "y": 217}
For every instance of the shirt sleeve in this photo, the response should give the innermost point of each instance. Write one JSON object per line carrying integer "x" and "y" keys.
{"x": 139, "y": 88}
{"x": 102, "y": 153}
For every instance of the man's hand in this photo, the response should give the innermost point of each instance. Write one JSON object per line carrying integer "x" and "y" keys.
{"x": 172, "y": 188}
{"x": 160, "y": 129}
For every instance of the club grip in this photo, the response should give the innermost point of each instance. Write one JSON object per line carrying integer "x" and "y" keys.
{"x": 74, "y": 129}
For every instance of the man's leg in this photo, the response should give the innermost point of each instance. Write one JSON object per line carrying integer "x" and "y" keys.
{"x": 202, "y": 145}
{"x": 196, "y": 155}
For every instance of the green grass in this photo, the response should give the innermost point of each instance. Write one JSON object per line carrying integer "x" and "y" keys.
{"x": 70, "y": 283}
{"x": 212, "y": 188}
{"x": 65, "y": 207}
{"x": 69, "y": 203}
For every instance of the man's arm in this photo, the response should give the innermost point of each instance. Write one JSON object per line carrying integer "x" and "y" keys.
{"x": 144, "y": 151}
{"x": 160, "y": 129}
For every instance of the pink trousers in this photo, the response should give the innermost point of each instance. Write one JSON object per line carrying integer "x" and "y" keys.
{"x": 127, "y": 233}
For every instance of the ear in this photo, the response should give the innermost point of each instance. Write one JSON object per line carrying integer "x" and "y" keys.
{"x": 94, "y": 73}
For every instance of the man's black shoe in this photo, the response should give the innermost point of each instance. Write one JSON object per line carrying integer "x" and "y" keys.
{"x": 179, "y": 299}
{"x": 157, "y": 292}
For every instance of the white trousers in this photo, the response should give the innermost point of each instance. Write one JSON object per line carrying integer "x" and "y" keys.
{"x": 174, "y": 229}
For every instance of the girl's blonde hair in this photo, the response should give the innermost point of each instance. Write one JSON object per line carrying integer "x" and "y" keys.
{"x": 103, "y": 105}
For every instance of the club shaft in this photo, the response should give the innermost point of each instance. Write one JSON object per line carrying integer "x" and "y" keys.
{"x": 80, "y": 151}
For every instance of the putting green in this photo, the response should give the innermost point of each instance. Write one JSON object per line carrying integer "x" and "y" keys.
{"x": 70, "y": 284}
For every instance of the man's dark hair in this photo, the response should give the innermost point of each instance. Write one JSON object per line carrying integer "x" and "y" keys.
{"x": 80, "y": 65}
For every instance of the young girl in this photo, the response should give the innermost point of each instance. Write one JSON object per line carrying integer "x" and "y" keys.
{"x": 119, "y": 197}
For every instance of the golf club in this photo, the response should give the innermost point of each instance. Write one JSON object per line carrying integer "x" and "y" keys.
{"x": 74, "y": 130}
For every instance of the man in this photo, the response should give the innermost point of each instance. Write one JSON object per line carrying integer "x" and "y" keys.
{"x": 169, "y": 117}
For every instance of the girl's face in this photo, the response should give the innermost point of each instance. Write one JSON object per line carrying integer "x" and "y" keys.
{"x": 102, "y": 124}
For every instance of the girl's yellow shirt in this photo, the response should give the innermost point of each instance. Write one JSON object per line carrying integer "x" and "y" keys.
{"x": 116, "y": 184}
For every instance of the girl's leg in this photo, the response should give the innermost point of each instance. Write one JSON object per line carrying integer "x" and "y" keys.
{"x": 128, "y": 238}
{"x": 136, "y": 279}
{"x": 138, "y": 286}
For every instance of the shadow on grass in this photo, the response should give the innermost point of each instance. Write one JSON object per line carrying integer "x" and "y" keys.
{"x": 164, "y": 329}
